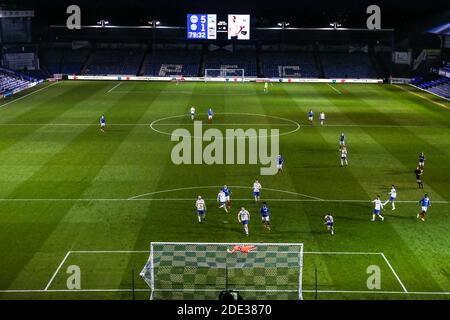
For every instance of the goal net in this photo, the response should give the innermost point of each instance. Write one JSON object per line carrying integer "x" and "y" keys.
{"x": 180, "y": 271}
{"x": 231, "y": 75}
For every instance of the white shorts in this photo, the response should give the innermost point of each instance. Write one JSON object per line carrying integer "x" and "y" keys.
{"x": 210, "y": 117}
{"x": 227, "y": 198}
{"x": 102, "y": 125}
{"x": 424, "y": 209}
{"x": 265, "y": 219}
{"x": 279, "y": 166}
{"x": 310, "y": 118}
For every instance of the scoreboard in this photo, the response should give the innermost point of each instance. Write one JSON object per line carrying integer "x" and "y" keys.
{"x": 202, "y": 26}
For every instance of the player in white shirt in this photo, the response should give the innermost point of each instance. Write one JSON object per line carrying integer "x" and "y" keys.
{"x": 192, "y": 113}
{"x": 344, "y": 156}
{"x": 392, "y": 197}
{"x": 256, "y": 190}
{"x": 201, "y": 208}
{"x": 222, "y": 200}
{"x": 322, "y": 118}
{"x": 377, "y": 209}
{"x": 244, "y": 218}
{"x": 329, "y": 222}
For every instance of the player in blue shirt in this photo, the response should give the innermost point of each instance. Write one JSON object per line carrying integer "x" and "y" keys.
{"x": 102, "y": 123}
{"x": 265, "y": 216}
{"x": 280, "y": 161}
{"x": 425, "y": 203}
{"x": 210, "y": 115}
{"x": 227, "y": 192}
{"x": 342, "y": 140}
{"x": 310, "y": 116}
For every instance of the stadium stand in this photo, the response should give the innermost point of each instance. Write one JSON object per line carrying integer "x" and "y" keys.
{"x": 347, "y": 65}
{"x": 291, "y": 65}
{"x": 63, "y": 60}
{"x": 439, "y": 86}
{"x": 51, "y": 59}
{"x": 172, "y": 62}
{"x": 10, "y": 81}
{"x": 114, "y": 62}
{"x": 73, "y": 60}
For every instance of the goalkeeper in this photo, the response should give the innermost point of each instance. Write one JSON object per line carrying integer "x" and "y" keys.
{"x": 243, "y": 249}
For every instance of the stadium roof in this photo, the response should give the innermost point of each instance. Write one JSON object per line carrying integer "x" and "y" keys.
{"x": 443, "y": 29}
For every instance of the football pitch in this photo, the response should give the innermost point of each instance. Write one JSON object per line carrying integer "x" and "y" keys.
{"x": 71, "y": 195}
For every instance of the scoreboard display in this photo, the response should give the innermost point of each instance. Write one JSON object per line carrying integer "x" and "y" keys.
{"x": 202, "y": 26}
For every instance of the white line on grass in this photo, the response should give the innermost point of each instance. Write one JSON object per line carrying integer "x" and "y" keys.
{"x": 218, "y": 187}
{"x": 424, "y": 90}
{"x": 116, "y": 86}
{"x": 334, "y": 88}
{"x": 421, "y": 96}
{"x": 393, "y": 271}
{"x": 206, "y": 199}
{"x": 147, "y": 290}
{"x": 223, "y": 124}
{"x": 27, "y": 95}
{"x": 404, "y": 292}
{"x": 57, "y": 270}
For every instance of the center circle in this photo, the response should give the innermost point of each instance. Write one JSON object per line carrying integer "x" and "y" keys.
{"x": 157, "y": 122}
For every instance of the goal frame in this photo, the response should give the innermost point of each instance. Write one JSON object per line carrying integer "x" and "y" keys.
{"x": 150, "y": 261}
{"x": 223, "y": 75}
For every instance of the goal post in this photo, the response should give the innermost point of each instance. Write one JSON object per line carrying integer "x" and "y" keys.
{"x": 191, "y": 271}
{"x": 230, "y": 75}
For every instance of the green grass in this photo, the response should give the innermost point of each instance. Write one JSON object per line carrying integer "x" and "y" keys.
{"x": 64, "y": 185}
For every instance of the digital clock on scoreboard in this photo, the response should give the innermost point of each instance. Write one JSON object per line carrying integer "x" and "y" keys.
{"x": 202, "y": 26}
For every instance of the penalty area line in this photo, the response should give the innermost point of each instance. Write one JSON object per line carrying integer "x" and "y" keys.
{"x": 334, "y": 88}
{"x": 395, "y": 273}
{"x": 116, "y": 86}
{"x": 57, "y": 270}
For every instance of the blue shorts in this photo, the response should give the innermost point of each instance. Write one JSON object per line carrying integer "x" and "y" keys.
{"x": 330, "y": 224}
{"x": 342, "y": 142}
{"x": 201, "y": 211}
{"x": 392, "y": 199}
{"x": 256, "y": 194}
{"x": 244, "y": 222}
{"x": 343, "y": 158}
{"x": 376, "y": 211}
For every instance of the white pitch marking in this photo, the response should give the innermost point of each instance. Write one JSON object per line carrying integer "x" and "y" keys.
{"x": 116, "y": 86}
{"x": 57, "y": 270}
{"x": 395, "y": 274}
{"x": 421, "y": 96}
{"x": 294, "y": 123}
{"x": 334, "y": 88}
{"x": 146, "y": 290}
{"x": 307, "y": 291}
{"x": 27, "y": 95}
{"x": 210, "y": 187}
{"x": 206, "y": 199}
